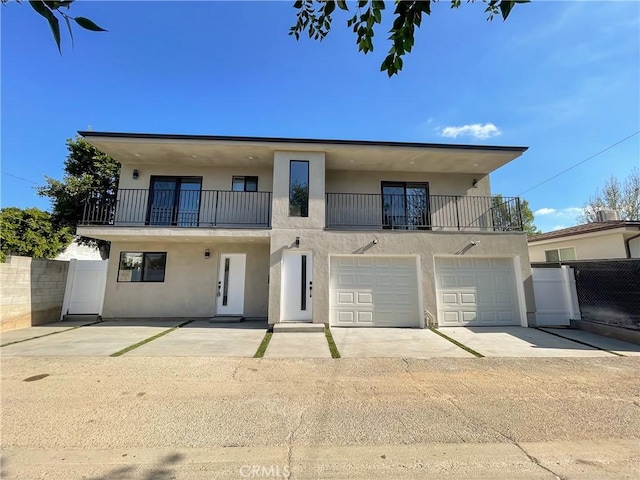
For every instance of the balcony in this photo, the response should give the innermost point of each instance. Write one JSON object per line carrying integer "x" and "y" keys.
{"x": 423, "y": 212}
{"x": 179, "y": 208}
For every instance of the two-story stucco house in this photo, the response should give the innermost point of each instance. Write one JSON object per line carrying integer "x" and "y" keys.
{"x": 349, "y": 233}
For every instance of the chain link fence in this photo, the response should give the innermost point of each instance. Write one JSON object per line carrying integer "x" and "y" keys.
{"x": 609, "y": 291}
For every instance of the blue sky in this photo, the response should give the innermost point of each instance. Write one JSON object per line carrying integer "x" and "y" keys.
{"x": 560, "y": 77}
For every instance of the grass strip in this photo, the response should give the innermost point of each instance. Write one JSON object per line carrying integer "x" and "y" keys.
{"x": 455, "y": 342}
{"x": 147, "y": 340}
{"x": 263, "y": 346}
{"x": 47, "y": 334}
{"x": 580, "y": 342}
{"x": 332, "y": 345}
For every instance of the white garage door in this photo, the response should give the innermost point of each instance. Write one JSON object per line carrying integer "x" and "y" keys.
{"x": 374, "y": 291}
{"x": 476, "y": 291}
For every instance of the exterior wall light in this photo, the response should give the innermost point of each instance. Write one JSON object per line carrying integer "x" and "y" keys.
{"x": 136, "y": 174}
{"x": 475, "y": 183}
{"x": 207, "y": 254}
{"x": 297, "y": 242}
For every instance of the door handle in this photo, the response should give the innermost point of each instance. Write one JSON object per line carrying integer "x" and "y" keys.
{"x": 310, "y": 289}
{"x": 219, "y": 286}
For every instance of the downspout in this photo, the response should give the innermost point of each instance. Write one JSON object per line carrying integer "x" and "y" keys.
{"x": 627, "y": 248}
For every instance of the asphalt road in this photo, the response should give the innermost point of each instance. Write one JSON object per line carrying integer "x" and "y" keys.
{"x": 164, "y": 418}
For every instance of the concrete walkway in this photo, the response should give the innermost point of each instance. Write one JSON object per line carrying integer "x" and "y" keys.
{"x": 298, "y": 345}
{"x": 394, "y": 342}
{"x": 100, "y": 339}
{"x": 205, "y": 339}
{"x": 611, "y": 344}
{"x": 39, "y": 331}
{"x": 519, "y": 342}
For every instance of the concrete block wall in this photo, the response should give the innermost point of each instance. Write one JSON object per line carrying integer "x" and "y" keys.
{"x": 31, "y": 291}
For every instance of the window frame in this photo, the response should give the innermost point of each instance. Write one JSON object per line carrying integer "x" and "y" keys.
{"x": 304, "y": 212}
{"x": 404, "y": 186}
{"x": 244, "y": 185}
{"x": 176, "y": 197}
{"x": 144, "y": 260}
{"x": 560, "y": 259}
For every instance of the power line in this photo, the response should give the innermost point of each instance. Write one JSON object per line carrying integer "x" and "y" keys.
{"x": 20, "y": 178}
{"x": 580, "y": 163}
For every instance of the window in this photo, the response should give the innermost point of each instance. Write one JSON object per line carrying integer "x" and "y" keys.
{"x": 244, "y": 184}
{"x": 560, "y": 254}
{"x": 299, "y": 188}
{"x": 142, "y": 267}
{"x": 174, "y": 201}
{"x": 405, "y": 205}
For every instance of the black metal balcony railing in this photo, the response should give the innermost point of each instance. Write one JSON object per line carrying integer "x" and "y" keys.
{"x": 423, "y": 212}
{"x": 184, "y": 208}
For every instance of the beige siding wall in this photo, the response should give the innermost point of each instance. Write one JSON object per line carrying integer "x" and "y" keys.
{"x": 189, "y": 289}
{"x": 31, "y": 291}
{"x": 427, "y": 245}
{"x": 601, "y": 246}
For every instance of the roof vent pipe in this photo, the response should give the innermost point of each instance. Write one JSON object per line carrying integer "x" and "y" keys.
{"x": 607, "y": 215}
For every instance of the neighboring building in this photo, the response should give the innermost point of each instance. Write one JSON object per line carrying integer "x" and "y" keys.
{"x": 351, "y": 233}
{"x": 590, "y": 241}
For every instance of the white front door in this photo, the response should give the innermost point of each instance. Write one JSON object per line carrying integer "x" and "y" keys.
{"x": 230, "y": 288}
{"x": 297, "y": 286}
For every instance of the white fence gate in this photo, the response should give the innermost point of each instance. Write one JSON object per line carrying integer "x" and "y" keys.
{"x": 555, "y": 294}
{"x": 86, "y": 281}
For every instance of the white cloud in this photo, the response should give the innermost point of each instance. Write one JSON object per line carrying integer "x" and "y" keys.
{"x": 569, "y": 212}
{"x": 545, "y": 211}
{"x": 476, "y": 130}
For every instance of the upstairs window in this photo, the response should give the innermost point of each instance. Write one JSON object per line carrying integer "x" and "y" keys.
{"x": 244, "y": 184}
{"x": 142, "y": 267}
{"x": 560, "y": 254}
{"x": 299, "y": 188}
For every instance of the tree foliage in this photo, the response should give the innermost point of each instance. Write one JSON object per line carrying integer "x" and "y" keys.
{"x": 623, "y": 196}
{"x": 52, "y": 12}
{"x": 506, "y": 215}
{"x": 316, "y": 17}
{"x": 31, "y": 233}
{"x": 88, "y": 172}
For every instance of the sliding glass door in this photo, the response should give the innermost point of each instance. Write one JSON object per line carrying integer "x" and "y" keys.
{"x": 174, "y": 201}
{"x": 405, "y": 205}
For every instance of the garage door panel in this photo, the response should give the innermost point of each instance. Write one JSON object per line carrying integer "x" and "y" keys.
{"x": 476, "y": 291}
{"x": 374, "y": 291}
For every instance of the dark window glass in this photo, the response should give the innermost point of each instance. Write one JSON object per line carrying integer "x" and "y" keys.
{"x": 174, "y": 201}
{"x": 225, "y": 295}
{"x": 142, "y": 267}
{"x": 299, "y": 188}
{"x": 244, "y": 184}
{"x": 405, "y": 205}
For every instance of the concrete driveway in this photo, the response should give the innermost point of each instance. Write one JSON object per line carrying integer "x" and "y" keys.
{"x": 203, "y": 338}
{"x": 96, "y": 340}
{"x": 394, "y": 342}
{"x": 519, "y": 342}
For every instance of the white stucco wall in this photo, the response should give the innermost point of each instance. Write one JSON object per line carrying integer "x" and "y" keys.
{"x": 600, "y": 246}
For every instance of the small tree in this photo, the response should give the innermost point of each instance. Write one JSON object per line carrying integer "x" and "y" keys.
{"x": 88, "y": 172}
{"x": 623, "y": 196}
{"x": 31, "y": 233}
{"x": 507, "y": 217}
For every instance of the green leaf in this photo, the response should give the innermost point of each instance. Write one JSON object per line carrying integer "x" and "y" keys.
{"x": 329, "y": 7}
{"x": 42, "y": 9}
{"x": 342, "y": 4}
{"x": 362, "y": 3}
{"x": 298, "y": 4}
{"x": 505, "y": 8}
{"x": 88, "y": 24}
{"x": 66, "y": 19}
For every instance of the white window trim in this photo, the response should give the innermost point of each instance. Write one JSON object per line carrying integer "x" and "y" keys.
{"x": 557, "y": 249}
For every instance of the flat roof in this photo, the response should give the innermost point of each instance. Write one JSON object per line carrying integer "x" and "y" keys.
{"x": 315, "y": 141}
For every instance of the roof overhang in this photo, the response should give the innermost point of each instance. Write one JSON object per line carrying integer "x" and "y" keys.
{"x": 627, "y": 231}
{"x": 208, "y": 150}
